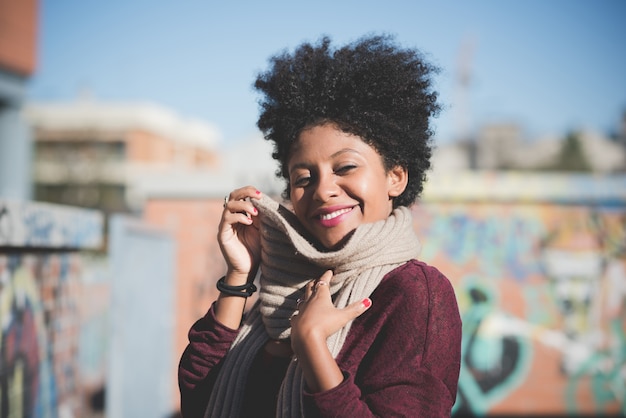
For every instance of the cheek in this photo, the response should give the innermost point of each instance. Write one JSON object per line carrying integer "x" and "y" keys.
{"x": 295, "y": 194}
{"x": 378, "y": 206}
{"x": 370, "y": 189}
{"x": 297, "y": 202}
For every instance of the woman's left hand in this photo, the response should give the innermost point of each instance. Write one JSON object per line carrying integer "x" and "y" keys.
{"x": 317, "y": 318}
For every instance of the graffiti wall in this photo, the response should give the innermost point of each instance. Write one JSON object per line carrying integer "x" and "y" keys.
{"x": 40, "y": 307}
{"x": 542, "y": 292}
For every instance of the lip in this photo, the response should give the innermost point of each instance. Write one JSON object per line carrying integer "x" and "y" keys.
{"x": 331, "y": 216}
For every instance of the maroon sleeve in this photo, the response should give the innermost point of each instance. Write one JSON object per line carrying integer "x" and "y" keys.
{"x": 401, "y": 358}
{"x": 209, "y": 341}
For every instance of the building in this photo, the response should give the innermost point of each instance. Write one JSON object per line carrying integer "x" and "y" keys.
{"x": 18, "y": 45}
{"x": 95, "y": 154}
{"x": 503, "y": 146}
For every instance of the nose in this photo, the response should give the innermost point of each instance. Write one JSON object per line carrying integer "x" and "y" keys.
{"x": 325, "y": 188}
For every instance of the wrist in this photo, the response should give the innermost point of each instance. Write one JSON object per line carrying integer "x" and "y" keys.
{"x": 241, "y": 290}
{"x": 235, "y": 277}
{"x": 307, "y": 342}
{"x": 320, "y": 370}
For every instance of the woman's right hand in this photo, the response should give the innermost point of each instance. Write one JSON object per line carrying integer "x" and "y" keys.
{"x": 238, "y": 235}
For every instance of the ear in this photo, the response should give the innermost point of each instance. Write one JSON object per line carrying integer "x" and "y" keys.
{"x": 397, "y": 179}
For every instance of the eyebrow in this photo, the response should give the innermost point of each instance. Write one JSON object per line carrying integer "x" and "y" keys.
{"x": 334, "y": 155}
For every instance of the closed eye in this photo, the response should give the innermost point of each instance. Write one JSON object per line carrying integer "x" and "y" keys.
{"x": 345, "y": 169}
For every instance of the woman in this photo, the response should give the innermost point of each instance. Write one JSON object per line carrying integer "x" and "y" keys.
{"x": 348, "y": 323}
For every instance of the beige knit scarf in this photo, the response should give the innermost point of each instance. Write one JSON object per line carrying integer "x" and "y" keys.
{"x": 288, "y": 262}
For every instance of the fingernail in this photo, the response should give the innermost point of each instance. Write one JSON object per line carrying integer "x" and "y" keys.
{"x": 367, "y": 302}
{"x": 258, "y": 192}
{"x": 255, "y": 210}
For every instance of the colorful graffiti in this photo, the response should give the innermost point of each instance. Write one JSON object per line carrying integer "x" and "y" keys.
{"x": 40, "y": 316}
{"x": 542, "y": 292}
{"x": 39, "y": 336}
{"x": 46, "y": 225}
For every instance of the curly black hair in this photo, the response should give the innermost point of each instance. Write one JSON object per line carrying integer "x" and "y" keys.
{"x": 371, "y": 88}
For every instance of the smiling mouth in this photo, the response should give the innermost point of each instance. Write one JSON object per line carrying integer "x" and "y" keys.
{"x": 332, "y": 215}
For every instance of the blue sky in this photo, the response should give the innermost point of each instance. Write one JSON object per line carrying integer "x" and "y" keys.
{"x": 550, "y": 65}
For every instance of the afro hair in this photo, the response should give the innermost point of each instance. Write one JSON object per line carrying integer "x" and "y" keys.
{"x": 371, "y": 88}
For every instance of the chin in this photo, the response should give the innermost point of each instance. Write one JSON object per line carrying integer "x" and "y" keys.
{"x": 335, "y": 244}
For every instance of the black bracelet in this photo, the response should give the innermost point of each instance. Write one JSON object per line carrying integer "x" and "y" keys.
{"x": 244, "y": 291}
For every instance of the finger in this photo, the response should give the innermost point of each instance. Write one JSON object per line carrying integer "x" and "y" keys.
{"x": 256, "y": 221}
{"x": 324, "y": 280}
{"x": 244, "y": 193}
{"x": 241, "y": 194}
{"x": 320, "y": 284}
{"x": 237, "y": 208}
{"x": 357, "y": 308}
{"x": 308, "y": 290}
{"x": 232, "y": 218}
{"x": 327, "y": 276}
{"x": 242, "y": 206}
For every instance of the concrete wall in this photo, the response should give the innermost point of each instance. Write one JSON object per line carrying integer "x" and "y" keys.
{"x": 141, "y": 365}
{"x": 15, "y": 140}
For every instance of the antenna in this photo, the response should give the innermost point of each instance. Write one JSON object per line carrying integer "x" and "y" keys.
{"x": 464, "y": 80}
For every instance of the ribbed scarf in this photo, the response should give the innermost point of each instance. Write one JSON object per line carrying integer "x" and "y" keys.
{"x": 288, "y": 262}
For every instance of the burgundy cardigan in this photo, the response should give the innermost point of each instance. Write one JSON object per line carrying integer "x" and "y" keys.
{"x": 400, "y": 358}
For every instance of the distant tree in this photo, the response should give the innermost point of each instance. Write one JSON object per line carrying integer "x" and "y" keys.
{"x": 572, "y": 156}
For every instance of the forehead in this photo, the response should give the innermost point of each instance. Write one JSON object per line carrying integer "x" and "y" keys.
{"x": 327, "y": 141}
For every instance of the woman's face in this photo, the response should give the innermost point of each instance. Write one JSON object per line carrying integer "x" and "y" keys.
{"x": 338, "y": 182}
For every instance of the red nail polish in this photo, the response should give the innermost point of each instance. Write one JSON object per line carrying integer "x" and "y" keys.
{"x": 367, "y": 302}
{"x": 255, "y": 210}
{"x": 258, "y": 192}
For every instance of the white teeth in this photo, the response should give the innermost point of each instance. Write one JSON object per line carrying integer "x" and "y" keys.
{"x": 332, "y": 215}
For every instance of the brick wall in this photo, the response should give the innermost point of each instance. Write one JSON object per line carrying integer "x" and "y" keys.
{"x": 18, "y": 35}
